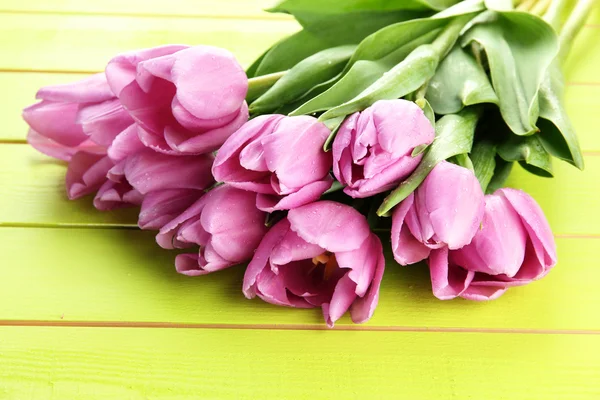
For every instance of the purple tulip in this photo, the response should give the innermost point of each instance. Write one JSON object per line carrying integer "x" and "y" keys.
{"x": 514, "y": 247}
{"x": 372, "y": 150}
{"x": 184, "y": 99}
{"x": 225, "y": 223}
{"x": 79, "y": 116}
{"x": 446, "y": 210}
{"x": 280, "y": 158}
{"x": 321, "y": 255}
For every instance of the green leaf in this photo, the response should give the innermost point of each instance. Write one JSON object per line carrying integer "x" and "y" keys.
{"x": 345, "y": 6}
{"x": 483, "y": 157}
{"x": 519, "y": 48}
{"x": 361, "y": 75}
{"x": 257, "y": 86}
{"x": 427, "y": 110}
{"x": 454, "y": 135}
{"x": 334, "y": 125}
{"x": 404, "y": 78}
{"x": 308, "y": 73}
{"x": 458, "y": 82}
{"x": 556, "y": 132}
{"x": 322, "y": 32}
{"x": 501, "y": 173}
{"x": 529, "y": 152}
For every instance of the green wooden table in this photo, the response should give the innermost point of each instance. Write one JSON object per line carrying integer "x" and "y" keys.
{"x": 91, "y": 308}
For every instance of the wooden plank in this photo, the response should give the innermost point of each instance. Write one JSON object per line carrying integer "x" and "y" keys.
{"x": 122, "y": 275}
{"x": 180, "y": 8}
{"x": 582, "y": 102}
{"x": 79, "y": 363}
{"x": 33, "y": 193}
{"x": 87, "y": 43}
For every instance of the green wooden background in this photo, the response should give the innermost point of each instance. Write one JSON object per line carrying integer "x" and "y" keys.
{"x": 91, "y": 308}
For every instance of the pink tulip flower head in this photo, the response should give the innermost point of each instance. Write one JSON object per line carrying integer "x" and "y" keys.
{"x": 224, "y": 223}
{"x": 372, "y": 151}
{"x": 446, "y": 210}
{"x": 184, "y": 99}
{"x": 514, "y": 247}
{"x": 321, "y": 255}
{"x": 79, "y": 116}
{"x": 280, "y": 158}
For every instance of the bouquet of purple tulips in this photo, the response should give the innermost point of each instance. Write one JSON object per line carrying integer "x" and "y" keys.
{"x": 394, "y": 122}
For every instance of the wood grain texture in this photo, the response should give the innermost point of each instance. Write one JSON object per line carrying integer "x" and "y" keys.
{"x": 67, "y": 275}
{"x": 86, "y": 43}
{"x": 36, "y": 183}
{"x": 87, "y": 364}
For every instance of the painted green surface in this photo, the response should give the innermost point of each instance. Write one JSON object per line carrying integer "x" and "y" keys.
{"x": 121, "y": 275}
{"x": 87, "y": 364}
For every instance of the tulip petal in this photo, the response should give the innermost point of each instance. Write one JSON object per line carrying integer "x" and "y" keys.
{"x": 207, "y": 141}
{"x": 121, "y": 71}
{"x": 149, "y": 171}
{"x": 86, "y": 174}
{"x": 125, "y": 144}
{"x": 363, "y": 308}
{"x": 161, "y": 207}
{"x": 447, "y": 281}
{"x": 54, "y": 149}
{"x": 454, "y": 203}
{"x": 343, "y": 296}
{"x": 56, "y": 121}
{"x": 210, "y": 82}
{"x": 535, "y": 223}
{"x": 362, "y": 263}
{"x": 112, "y": 195}
{"x": 261, "y": 257}
{"x": 102, "y": 122}
{"x": 227, "y": 167}
{"x": 166, "y": 236}
{"x": 405, "y": 247}
{"x": 293, "y": 248}
{"x": 332, "y": 226}
{"x": 91, "y": 89}
{"x": 307, "y": 194}
{"x": 294, "y": 152}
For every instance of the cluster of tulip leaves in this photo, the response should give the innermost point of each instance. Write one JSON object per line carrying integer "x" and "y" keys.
{"x": 486, "y": 75}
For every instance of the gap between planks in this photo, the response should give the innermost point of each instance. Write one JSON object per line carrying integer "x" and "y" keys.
{"x": 289, "y": 327}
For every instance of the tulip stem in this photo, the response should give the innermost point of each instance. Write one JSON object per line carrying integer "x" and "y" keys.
{"x": 573, "y": 25}
{"x": 259, "y": 85}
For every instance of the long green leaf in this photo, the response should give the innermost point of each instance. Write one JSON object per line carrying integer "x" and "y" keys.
{"x": 322, "y": 32}
{"x": 483, "y": 156}
{"x": 529, "y": 152}
{"x": 557, "y": 135}
{"x": 458, "y": 82}
{"x": 401, "y": 80}
{"x": 308, "y": 73}
{"x": 454, "y": 135}
{"x": 519, "y": 48}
